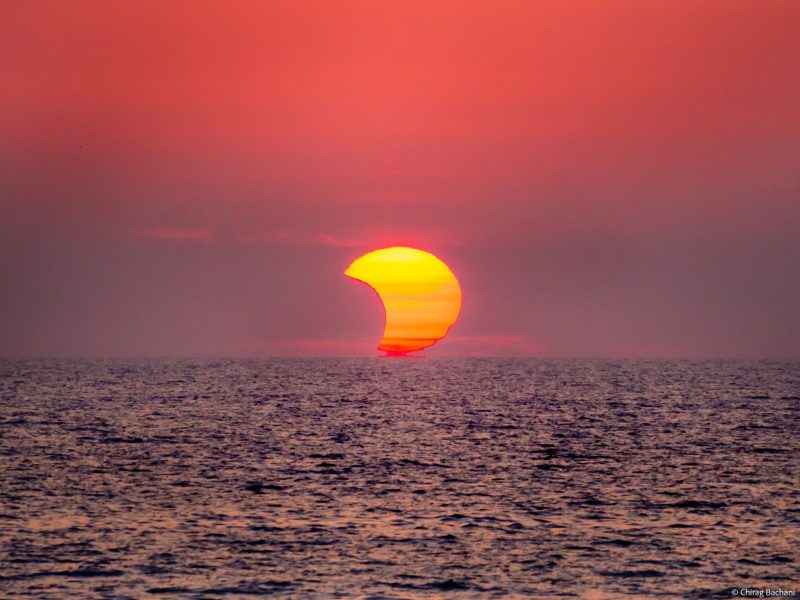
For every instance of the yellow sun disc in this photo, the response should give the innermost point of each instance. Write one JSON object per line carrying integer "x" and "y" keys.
{"x": 420, "y": 294}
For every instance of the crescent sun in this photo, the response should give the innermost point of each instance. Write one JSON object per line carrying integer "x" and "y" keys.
{"x": 420, "y": 295}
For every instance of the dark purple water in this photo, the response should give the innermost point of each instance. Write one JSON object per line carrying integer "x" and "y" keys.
{"x": 382, "y": 478}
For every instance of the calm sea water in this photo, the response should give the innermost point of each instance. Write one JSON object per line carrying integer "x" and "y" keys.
{"x": 392, "y": 478}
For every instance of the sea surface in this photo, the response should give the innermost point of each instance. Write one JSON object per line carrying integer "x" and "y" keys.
{"x": 397, "y": 478}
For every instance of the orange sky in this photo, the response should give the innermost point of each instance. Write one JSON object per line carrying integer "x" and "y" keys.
{"x": 616, "y": 178}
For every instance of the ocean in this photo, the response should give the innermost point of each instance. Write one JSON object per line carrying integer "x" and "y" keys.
{"x": 398, "y": 478}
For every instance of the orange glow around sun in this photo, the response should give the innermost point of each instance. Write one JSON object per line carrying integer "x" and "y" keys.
{"x": 420, "y": 294}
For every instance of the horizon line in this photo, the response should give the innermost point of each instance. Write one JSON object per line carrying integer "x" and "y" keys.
{"x": 383, "y": 356}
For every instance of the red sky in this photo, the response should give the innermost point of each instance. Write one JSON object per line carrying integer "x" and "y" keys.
{"x": 606, "y": 178}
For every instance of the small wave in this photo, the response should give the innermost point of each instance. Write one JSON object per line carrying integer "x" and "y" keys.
{"x": 618, "y": 543}
{"x": 262, "y": 589}
{"x": 695, "y": 504}
{"x": 768, "y": 450}
{"x": 83, "y": 572}
{"x": 628, "y": 573}
{"x": 258, "y": 487}
{"x": 447, "y": 585}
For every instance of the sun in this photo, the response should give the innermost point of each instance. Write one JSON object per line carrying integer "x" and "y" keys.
{"x": 420, "y": 295}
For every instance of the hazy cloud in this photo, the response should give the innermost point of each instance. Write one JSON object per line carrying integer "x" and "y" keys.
{"x": 176, "y": 234}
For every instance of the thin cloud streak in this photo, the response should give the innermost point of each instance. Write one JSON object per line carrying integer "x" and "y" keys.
{"x": 330, "y": 240}
{"x": 312, "y": 347}
{"x": 291, "y": 238}
{"x": 176, "y": 234}
{"x": 452, "y": 346}
{"x": 491, "y": 345}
